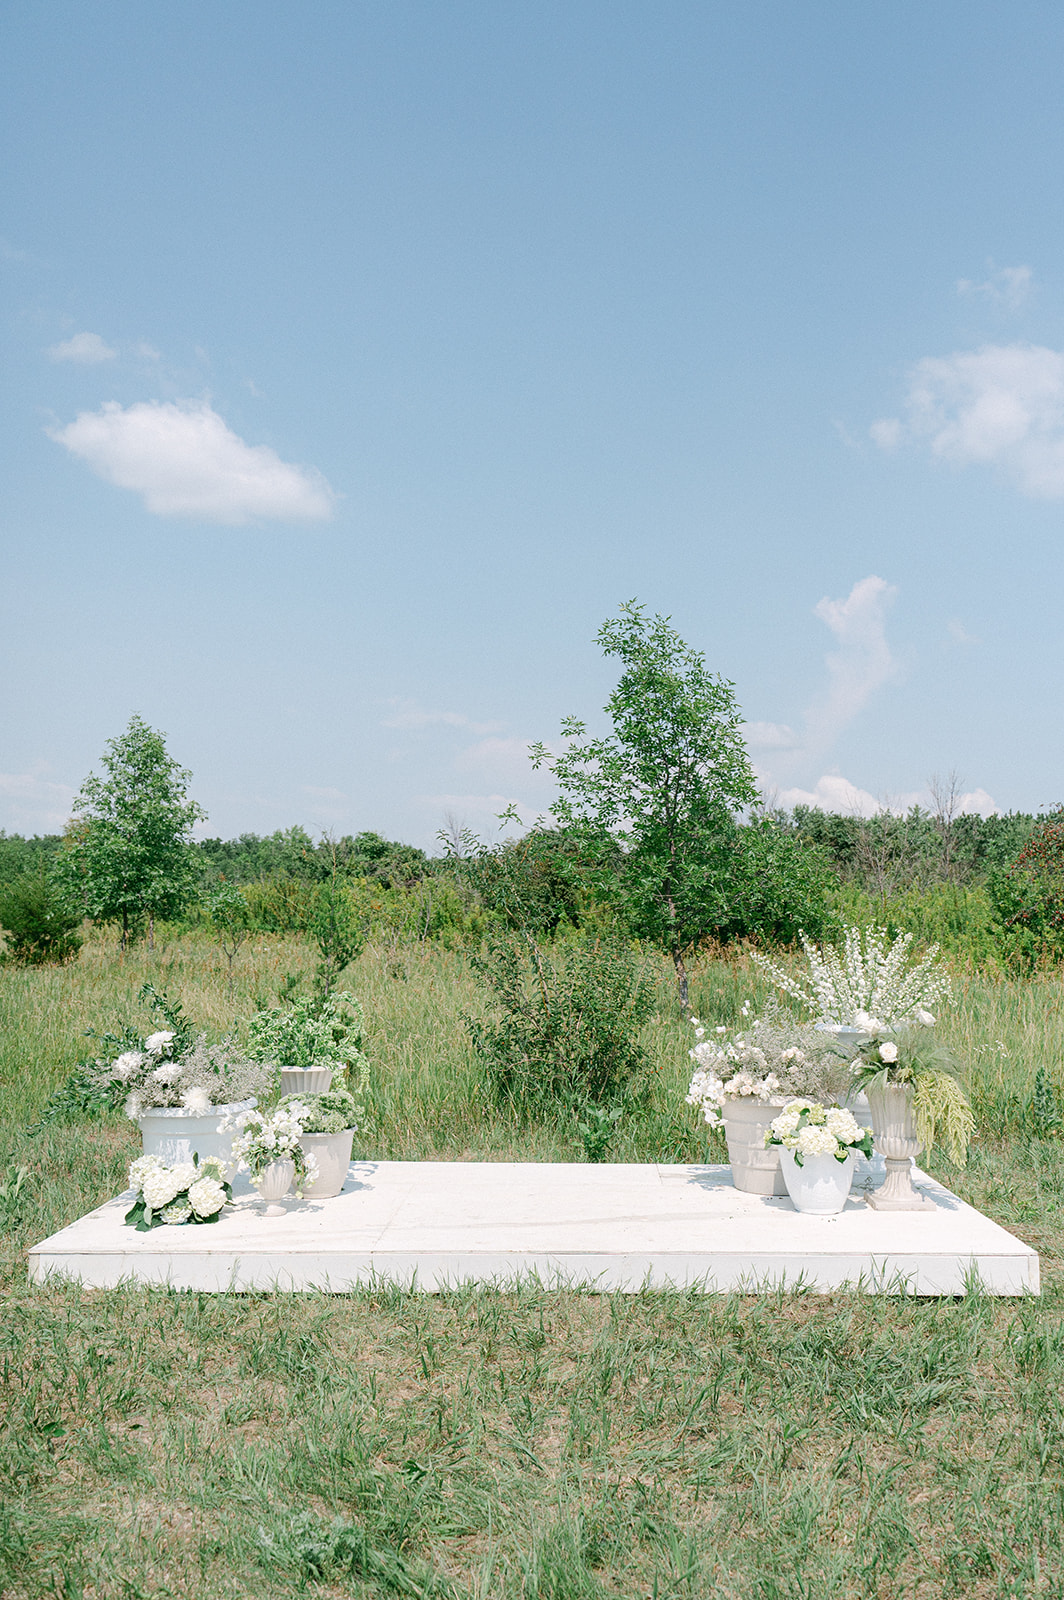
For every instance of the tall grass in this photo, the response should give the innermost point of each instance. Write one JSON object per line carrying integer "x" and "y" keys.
{"x": 528, "y": 1444}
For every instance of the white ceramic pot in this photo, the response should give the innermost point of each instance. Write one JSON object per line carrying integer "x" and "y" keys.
{"x": 755, "y": 1169}
{"x": 848, "y": 1038}
{"x": 274, "y": 1181}
{"x": 306, "y": 1080}
{"x": 174, "y": 1134}
{"x": 332, "y": 1151}
{"x": 820, "y": 1186}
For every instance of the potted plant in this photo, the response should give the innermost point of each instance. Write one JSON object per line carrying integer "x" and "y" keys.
{"x": 916, "y": 1104}
{"x": 187, "y": 1191}
{"x": 309, "y": 1038}
{"x": 818, "y": 1146}
{"x": 872, "y": 984}
{"x": 269, "y": 1148}
{"x": 742, "y": 1077}
{"x": 177, "y": 1087}
{"x": 329, "y": 1122}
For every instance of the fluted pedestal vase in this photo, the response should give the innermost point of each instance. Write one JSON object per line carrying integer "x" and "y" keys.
{"x": 894, "y": 1129}
{"x": 273, "y": 1183}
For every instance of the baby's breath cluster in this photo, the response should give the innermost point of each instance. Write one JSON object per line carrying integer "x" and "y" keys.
{"x": 205, "y": 1075}
{"x": 770, "y": 1059}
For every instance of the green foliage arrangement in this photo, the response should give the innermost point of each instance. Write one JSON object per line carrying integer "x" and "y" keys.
{"x": 664, "y": 785}
{"x": 941, "y": 1110}
{"x": 309, "y": 1031}
{"x": 332, "y": 1112}
{"x": 38, "y": 921}
{"x": 127, "y": 857}
{"x": 563, "y": 1027}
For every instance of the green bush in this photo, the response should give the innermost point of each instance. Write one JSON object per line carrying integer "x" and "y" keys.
{"x": 38, "y": 921}
{"x": 564, "y": 1026}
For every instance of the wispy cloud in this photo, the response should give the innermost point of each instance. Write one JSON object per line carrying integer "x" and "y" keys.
{"x": 1000, "y": 406}
{"x": 862, "y": 662}
{"x": 1009, "y": 287}
{"x": 771, "y": 736}
{"x": 184, "y": 461}
{"x": 30, "y": 802}
{"x": 408, "y": 714}
{"x": 959, "y": 634}
{"x": 86, "y": 349}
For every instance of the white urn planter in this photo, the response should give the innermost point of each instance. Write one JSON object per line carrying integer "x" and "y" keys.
{"x": 306, "y": 1080}
{"x": 273, "y": 1183}
{"x": 332, "y": 1152}
{"x": 896, "y": 1141}
{"x": 820, "y": 1186}
{"x": 755, "y": 1169}
{"x": 174, "y": 1134}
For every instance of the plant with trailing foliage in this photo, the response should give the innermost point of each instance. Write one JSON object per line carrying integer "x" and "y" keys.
{"x": 911, "y": 1057}
{"x": 563, "y": 1027}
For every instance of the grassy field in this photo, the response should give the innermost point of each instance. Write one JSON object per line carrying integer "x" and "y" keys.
{"x": 525, "y": 1443}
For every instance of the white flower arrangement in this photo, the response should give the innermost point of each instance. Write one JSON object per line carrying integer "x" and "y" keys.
{"x": 269, "y": 1137}
{"x": 770, "y": 1059}
{"x": 807, "y": 1128}
{"x": 204, "y": 1075}
{"x": 189, "y": 1191}
{"x": 870, "y": 986}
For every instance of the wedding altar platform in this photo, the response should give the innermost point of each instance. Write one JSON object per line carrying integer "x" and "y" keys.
{"x": 436, "y": 1225}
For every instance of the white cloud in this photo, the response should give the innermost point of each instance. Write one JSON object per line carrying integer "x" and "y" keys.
{"x": 832, "y": 793}
{"x": 1010, "y": 287}
{"x": 185, "y": 462}
{"x": 498, "y": 759}
{"x": 148, "y": 352}
{"x": 87, "y": 349}
{"x": 32, "y": 803}
{"x": 861, "y": 664}
{"x": 959, "y": 633}
{"x": 1000, "y": 406}
{"x": 770, "y": 736}
{"x": 408, "y": 714}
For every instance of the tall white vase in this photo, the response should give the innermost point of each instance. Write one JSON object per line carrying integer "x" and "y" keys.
{"x": 755, "y": 1169}
{"x": 896, "y": 1140}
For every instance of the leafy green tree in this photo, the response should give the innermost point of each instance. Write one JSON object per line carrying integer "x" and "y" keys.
{"x": 128, "y": 852}
{"x": 664, "y": 785}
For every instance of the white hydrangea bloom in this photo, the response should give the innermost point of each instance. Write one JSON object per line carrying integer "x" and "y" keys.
{"x": 206, "y": 1197}
{"x": 159, "y": 1188}
{"x": 843, "y": 1124}
{"x": 786, "y": 1123}
{"x": 177, "y": 1211}
{"x": 816, "y": 1141}
{"x": 139, "y": 1170}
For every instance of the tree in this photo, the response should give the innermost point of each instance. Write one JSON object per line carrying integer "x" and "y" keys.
{"x": 128, "y": 850}
{"x": 664, "y": 785}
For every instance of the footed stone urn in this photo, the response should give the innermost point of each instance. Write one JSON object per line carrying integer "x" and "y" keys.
{"x": 896, "y": 1141}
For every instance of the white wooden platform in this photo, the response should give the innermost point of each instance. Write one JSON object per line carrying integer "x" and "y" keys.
{"x": 438, "y": 1224}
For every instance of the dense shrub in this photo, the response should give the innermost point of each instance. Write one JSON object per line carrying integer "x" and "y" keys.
{"x": 563, "y": 1026}
{"x": 38, "y": 921}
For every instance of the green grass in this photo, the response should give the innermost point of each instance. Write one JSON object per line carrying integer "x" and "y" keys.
{"x": 539, "y": 1444}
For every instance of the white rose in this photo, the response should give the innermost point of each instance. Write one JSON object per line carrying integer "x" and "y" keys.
{"x": 206, "y": 1197}
{"x": 924, "y": 1018}
{"x": 888, "y": 1052}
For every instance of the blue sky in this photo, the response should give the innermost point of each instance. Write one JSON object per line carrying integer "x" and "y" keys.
{"x": 359, "y": 360}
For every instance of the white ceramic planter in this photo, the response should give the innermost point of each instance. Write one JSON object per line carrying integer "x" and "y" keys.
{"x": 755, "y": 1169}
{"x": 819, "y": 1186}
{"x": 174, "y": 1134}
{"x": 332, "y": 1151}
{"x": 306, "y": 1080}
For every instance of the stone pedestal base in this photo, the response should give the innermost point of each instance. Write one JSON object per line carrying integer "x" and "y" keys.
{"x": 896, "y": 1193}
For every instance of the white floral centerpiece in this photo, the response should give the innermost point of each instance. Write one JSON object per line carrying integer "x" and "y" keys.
{"x": 267, "y": 1138}
{"x": 187, "y": 1191}
{"x": 871, "y": 987}
{"x": 156, "y": 1076}
{"x": 770, "y": 1059}
{"x": 807, "y": 1128}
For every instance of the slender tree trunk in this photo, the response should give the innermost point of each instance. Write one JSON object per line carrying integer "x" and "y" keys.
{"x": 681, "y": 977}
{"x": 125, "y": 931}
{"x": 151, "y": 930}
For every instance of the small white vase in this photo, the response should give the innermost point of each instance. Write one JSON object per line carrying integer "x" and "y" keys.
{"x": 332, "y": 1151}
{"x": 274, "y": 1182}
{"x": 306, "y": 1080}
{"x": 820, "y": 1186}
{"x": 755, "y": 1167}
{"x": 174, "y": 1134}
